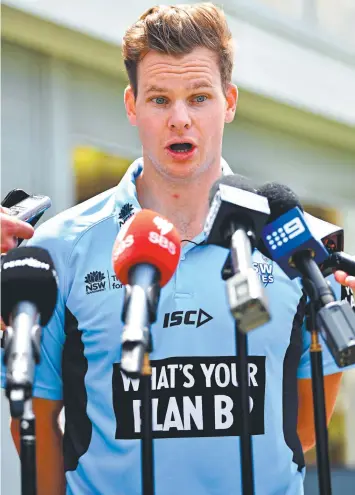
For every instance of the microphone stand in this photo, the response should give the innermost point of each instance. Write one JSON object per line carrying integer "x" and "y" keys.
{"x": 246, "y": 450}
{"x": 147, "y": 450}
{"x": 21, "y": 408}
{"x": 335, "y": 320}
{"x": 19, "y": 393}
{"x": 135, "y": 362}
{"x": 319, "y": 406}
{"x": 246, "y": 446}
{"x": 28, "y": 450}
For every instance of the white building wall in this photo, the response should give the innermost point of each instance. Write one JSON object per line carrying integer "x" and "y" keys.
{"x": 274, "y": 58}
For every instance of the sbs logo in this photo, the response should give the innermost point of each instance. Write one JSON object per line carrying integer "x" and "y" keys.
{"x": 283, "y": 234}
{"x": 162, "y": 241}
{"x": 124, "y": 244}
{"x": 163, "y": 225}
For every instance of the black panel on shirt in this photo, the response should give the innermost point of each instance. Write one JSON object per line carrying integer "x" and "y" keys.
{"x": 289, "y": 385}
{"x": 190, "y": 401}
{"x": 78, "y": 427}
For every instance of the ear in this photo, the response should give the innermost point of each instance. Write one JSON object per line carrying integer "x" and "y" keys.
{"x": 130, "y": 104}
{"x": 231, "y": 102}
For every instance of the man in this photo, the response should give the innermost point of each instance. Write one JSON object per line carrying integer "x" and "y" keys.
{"x": 179, "y": 62}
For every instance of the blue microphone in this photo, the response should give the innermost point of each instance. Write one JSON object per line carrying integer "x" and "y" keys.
{"x": 290, "y": 243}
{"x": 289, "y": 234}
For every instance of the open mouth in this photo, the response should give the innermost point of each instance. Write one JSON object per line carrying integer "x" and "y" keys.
{"x": 181, "y": 147}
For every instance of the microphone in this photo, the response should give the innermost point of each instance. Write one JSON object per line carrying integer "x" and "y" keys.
{"x": 235, "y": 221}
{"x": 29, "y": 295}
{"x": 291, "y": 244}
{"x": 286, "y": 223}
{"x": 340, "y": 261}
{"x": 145, "y": 256}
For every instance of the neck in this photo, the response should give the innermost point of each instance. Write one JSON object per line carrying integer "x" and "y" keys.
{"x": 183, "y": 202}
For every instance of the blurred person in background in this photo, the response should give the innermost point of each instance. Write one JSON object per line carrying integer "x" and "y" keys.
{"x": 179, "y": 61}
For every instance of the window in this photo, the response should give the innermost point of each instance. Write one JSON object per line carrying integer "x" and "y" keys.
{"x": 96, "y": 171}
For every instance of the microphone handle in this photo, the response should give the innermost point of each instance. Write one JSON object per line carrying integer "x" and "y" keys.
{"x": 342, "y": 261}
{"x": 241, "y": 251}
{"x": 309, "y": 269}
{"x": 139, "y": 312}
{"x": 21, "y": 355}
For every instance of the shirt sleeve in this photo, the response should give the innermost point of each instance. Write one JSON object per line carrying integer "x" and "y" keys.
{"x": 48, "y": 375}
{"x": 329, "y": 365}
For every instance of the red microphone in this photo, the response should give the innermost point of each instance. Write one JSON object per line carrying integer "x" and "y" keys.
{"x": 145, "y": 256}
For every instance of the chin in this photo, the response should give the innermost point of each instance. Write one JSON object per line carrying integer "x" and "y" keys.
{"x": 181, "y": 171}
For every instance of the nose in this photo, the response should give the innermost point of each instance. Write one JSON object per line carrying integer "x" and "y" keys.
{"x": 179, "y": 118}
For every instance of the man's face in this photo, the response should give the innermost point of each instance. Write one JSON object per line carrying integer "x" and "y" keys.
{"x": 180, "y": 112}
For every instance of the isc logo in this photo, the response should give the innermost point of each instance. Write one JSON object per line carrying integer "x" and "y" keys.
{"x": 283, "y": 234}
{"x": 195, "y": 318}
{"x": 163, "y": 242}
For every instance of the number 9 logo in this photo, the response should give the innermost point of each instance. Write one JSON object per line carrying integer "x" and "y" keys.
{"x": 294, "y": 228}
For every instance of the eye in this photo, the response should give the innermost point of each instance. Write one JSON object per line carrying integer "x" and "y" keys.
{"x": 159, "y": 100}
{"x": 200, "y": 98}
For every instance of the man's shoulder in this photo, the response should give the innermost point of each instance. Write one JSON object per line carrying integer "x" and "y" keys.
{"x": 65, "y": 229}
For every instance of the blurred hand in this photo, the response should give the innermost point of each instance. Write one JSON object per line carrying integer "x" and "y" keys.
{"x": 12, "y": 229}
{"x": 345, "y": 279}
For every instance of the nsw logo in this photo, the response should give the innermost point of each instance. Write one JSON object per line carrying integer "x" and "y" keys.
{"x": 163, "y": 225}
{"x": 265, "y": 271}
{"x": 125, "y": 213}
{"x": 95, "y": 282}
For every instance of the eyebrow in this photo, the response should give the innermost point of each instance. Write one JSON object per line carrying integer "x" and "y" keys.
{"x": 195, "y": 85}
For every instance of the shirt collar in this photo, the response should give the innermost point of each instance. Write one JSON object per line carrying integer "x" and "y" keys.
{"x": 127, "y": 201}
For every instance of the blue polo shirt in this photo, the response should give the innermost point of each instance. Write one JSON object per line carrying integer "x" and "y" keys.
{"x": 195, "y": 393}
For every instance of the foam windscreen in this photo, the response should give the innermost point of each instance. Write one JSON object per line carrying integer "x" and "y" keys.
{"x": 281, "y": 199}
{"x": 28, "y": 274}
{"x": 234, "y": 180}
{"x": 150, "y": 238}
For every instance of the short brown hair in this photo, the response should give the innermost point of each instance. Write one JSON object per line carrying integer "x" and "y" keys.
{"x": 177, "y": 30}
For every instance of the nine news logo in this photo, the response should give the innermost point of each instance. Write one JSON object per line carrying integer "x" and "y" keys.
{"x": 288, "y": 234}
{"x": 285, "y": 233}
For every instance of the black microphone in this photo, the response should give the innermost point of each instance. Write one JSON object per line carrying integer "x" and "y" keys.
{"x": 28, "y": 298}
{"x": 235, "y": 221}
{"x": 288, "y": 240}
{"x": 341, "y": 261}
